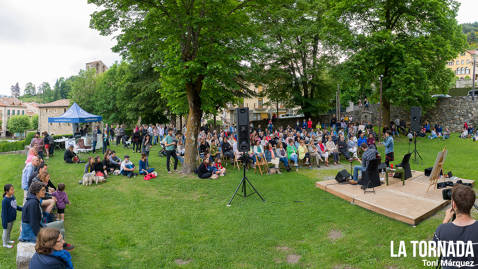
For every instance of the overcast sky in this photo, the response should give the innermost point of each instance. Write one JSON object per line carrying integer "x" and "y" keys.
{"x": 44, "y": 40}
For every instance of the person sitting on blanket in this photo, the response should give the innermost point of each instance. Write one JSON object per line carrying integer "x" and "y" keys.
{"x": 127, "y": 167}
{"x": 144, "y": 168}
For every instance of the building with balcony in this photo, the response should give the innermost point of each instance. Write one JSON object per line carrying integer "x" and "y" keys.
{"x": 260, "y": 107}
{"x": 462, "y": 66}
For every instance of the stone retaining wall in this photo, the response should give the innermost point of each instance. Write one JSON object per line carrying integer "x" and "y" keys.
{"x": 448, "y": 112}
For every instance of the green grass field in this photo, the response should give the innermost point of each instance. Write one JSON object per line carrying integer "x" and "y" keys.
{"x": 175, "y": 219}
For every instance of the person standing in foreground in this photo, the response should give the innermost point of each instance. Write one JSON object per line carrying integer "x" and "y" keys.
{"x": 464, "y": 229}
{"x": 9, "y": 214}
{"x": 170, "y": 145}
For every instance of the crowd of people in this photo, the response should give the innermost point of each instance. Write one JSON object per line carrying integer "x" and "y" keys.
{"x": 304, "y": 145}
{"x": 43, "y": 209}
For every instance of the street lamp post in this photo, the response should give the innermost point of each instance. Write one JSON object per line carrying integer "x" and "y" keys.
{"x": 474, "y": 76}
{"x": 380, "y": 107}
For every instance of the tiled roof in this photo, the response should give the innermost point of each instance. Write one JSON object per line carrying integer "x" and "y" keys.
{"x": 57, "y": 103}
{"x": 10, "y": 101}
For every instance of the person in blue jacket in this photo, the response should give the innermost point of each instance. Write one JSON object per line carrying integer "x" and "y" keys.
{"x": 388, "y": 143}
{"x": 144, "y": 168}
{"x": 49, "y": 251}
{"x": 9, "y": 214}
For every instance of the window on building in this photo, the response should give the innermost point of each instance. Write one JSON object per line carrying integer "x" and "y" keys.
{"x": 462, "y": 61}
{"x": 18, "y": 112}
{"x": 457, "y": 62}
{"x": 462, "y": 54}
{"x": 260, "y": 102}
{"x": 8, "y": 112}
{"x": 13, "y": 112}
{"x": 64, "y": 110}
{"x": 23, "y": 112}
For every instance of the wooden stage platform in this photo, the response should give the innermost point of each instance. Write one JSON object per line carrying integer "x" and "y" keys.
{"x": 409, "y": 203}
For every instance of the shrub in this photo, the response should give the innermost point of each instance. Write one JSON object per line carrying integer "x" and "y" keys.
{"x": 35, "y": 122}
{"x": 12, "y": 146}
{"x": 29, "y": 137}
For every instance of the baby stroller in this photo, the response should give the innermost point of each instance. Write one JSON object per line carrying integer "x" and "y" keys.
{"x": 162, "y": 152}
{"x": 125, "y": 141}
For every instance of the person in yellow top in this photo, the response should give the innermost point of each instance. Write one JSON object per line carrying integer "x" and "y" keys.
{"x": 304, "y": 153}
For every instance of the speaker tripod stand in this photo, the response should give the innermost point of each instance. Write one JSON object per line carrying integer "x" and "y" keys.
{"x": 244, "y": 182}
{"x": 415, "y": 151}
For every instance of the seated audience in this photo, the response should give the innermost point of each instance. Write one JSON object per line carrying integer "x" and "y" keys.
{"x": 332, "y": 149}
{"x": 282, "y": 155}
{"x": 303, "y": 153}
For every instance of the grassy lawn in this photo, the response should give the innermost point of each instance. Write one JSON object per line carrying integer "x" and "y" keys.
{"x": 132, "y": 223}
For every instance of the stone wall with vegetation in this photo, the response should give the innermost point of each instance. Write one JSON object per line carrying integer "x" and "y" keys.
{"x": 448, "y": 112}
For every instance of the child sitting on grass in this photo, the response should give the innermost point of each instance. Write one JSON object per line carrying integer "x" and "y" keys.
{"x": 61, "y": 200}
{"x": 9, "y": 214}
{"x": 219, "y": 167}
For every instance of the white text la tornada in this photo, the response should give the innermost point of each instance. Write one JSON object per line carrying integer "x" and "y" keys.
{"x": 432, "y": 249}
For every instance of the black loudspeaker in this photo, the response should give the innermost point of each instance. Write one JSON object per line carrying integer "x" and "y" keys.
{"x": 415, "y": 115}
{"x": 243, "y": 139}
{"x": 342, "y": 176}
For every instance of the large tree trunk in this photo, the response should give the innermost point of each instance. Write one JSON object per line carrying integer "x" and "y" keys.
{"x": 192, "y": 125}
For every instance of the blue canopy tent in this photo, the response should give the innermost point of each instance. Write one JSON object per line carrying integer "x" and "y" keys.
{"x": 76, "y": 114}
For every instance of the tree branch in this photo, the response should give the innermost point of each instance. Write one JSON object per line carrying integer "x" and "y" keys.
{"x": 241, "y": 5}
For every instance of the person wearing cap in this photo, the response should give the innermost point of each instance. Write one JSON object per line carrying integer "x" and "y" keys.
{"x": 127, "y": 167}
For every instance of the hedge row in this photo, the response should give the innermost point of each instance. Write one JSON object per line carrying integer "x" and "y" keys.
{"x": 12, "y": 146}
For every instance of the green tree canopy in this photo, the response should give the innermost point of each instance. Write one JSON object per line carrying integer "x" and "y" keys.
{"x": 18, "y": 124}
{"x": 295, "y": 55}
{"x": 198, "y": 48}
{"x": 408, "y": 42}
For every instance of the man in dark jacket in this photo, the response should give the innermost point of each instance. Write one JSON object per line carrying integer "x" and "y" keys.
{"x": 31, "y": 213}
{"x": 32, "y": 216}
{"x": 227, "y": 151}
{"x": 69, "y": 156}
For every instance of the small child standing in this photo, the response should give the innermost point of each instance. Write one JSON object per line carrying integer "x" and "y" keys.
{"x": 61, "y": 200}
{"x": 9, "y": 214}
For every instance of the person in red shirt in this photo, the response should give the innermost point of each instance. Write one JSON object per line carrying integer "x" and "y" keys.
{"x": 309, "y": 124}
{"x": 219, "y": 166}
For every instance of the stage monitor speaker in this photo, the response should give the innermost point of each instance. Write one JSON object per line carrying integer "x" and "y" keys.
{"x": 342, "y": 176}
{"x": 415, "y": 115}
{"x": 243, "y": 139}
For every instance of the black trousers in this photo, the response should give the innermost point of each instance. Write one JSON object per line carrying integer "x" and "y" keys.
{"x": 169, "y": 154}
